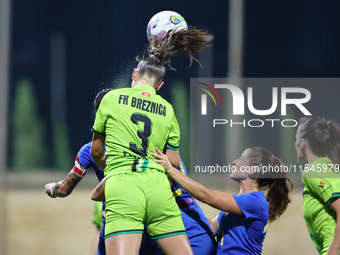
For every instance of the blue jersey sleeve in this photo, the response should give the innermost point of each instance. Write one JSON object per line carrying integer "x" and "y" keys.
{"x": 250, "y": 204}
{"x": 84, "y": 156}
{"x": 84, "y": 161}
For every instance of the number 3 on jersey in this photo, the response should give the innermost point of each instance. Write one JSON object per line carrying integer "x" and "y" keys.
{"x": 143, "y": 135}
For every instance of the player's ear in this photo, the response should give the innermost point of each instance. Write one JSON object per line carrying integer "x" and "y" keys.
{"x": 303, "y": 143}
{"x": 159, "y": 85}
{"x": 134, "y": 74}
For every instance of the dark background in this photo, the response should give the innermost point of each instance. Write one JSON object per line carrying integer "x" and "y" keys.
{"x": 102, "y": 38}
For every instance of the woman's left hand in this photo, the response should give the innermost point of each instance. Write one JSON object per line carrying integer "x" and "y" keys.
{"x": 161, "y": 159}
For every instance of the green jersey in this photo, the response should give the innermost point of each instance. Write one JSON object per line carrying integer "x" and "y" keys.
{"x": 321, "y": 184}
{"x": 135, "y": 121}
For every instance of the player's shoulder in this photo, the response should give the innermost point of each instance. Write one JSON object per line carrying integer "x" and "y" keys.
{"x": 119, "y": 90}
{"x": 136, "y": 91}
{"x": 319, "y": 169}
{"x": 258, "y": 195}
{"x": 251, "y": 198}
{"x": 261, "y": 196}
{"x": 116, "y": 92}
{"x": 113, "y": 95}
{"x": 165, "y": 102}
{"x": 144, "y": 92}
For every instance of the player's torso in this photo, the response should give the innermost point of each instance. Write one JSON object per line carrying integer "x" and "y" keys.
{"x": 237, "y": 238}
{"x": 317, "y": 179}
{"x": 238, "y": 235}
{"x": 138, "y": 120}
{"x": 313, "y": 206}
{"x": 319, "y": 217}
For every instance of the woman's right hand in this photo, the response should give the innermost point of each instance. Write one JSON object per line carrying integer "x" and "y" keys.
{"x": 162, "y": 159}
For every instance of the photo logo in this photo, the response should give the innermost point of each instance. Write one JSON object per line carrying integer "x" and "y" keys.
{"x": 238, "y": 99}
{"x": 295, "y": 96}
{"x": 204, "y": 97}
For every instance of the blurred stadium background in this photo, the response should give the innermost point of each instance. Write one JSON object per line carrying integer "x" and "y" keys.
{"x": 56, "y": 55}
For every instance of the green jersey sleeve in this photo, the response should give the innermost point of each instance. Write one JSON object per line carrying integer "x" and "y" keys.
{"x": 101, "y": 116}
{"x": 174, "y": 135}
{"x": 324, "y": 188}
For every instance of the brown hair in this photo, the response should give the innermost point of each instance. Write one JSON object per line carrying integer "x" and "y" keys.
{"x": 323, "y": 136}
{"x": 188, "y": 41}
{"x": 275, "y": 183}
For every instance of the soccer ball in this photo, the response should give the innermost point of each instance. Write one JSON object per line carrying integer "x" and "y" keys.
{"x": 164, "y": 21}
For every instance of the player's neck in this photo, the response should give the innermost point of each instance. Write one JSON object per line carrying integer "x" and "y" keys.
{"x": 248, "y": 186}
{"x": 142, "y": 81}
{"x": 311, "y": 157}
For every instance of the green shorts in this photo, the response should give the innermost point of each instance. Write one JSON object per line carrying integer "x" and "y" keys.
{"x": 135, "y": 198}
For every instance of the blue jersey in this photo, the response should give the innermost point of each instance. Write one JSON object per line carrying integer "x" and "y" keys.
{"x": 238, "y": 234}
{"x": 85, "y": 159}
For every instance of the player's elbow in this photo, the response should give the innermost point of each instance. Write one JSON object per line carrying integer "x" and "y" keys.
{"x": 93, "y": 195}
{"x": 97, "y": 196}
{"x": 175, "y": 161}
{"x": 95, "y": 152}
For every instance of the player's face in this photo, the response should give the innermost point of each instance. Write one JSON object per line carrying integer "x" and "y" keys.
{"x": 240, "y": 164}
{"x": 298, "y": 147}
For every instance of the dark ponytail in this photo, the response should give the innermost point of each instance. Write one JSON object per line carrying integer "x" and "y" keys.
{"x": 188, "y": 41}
{"x": 274, "y": 181}
{"x": 323, "y": 137}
